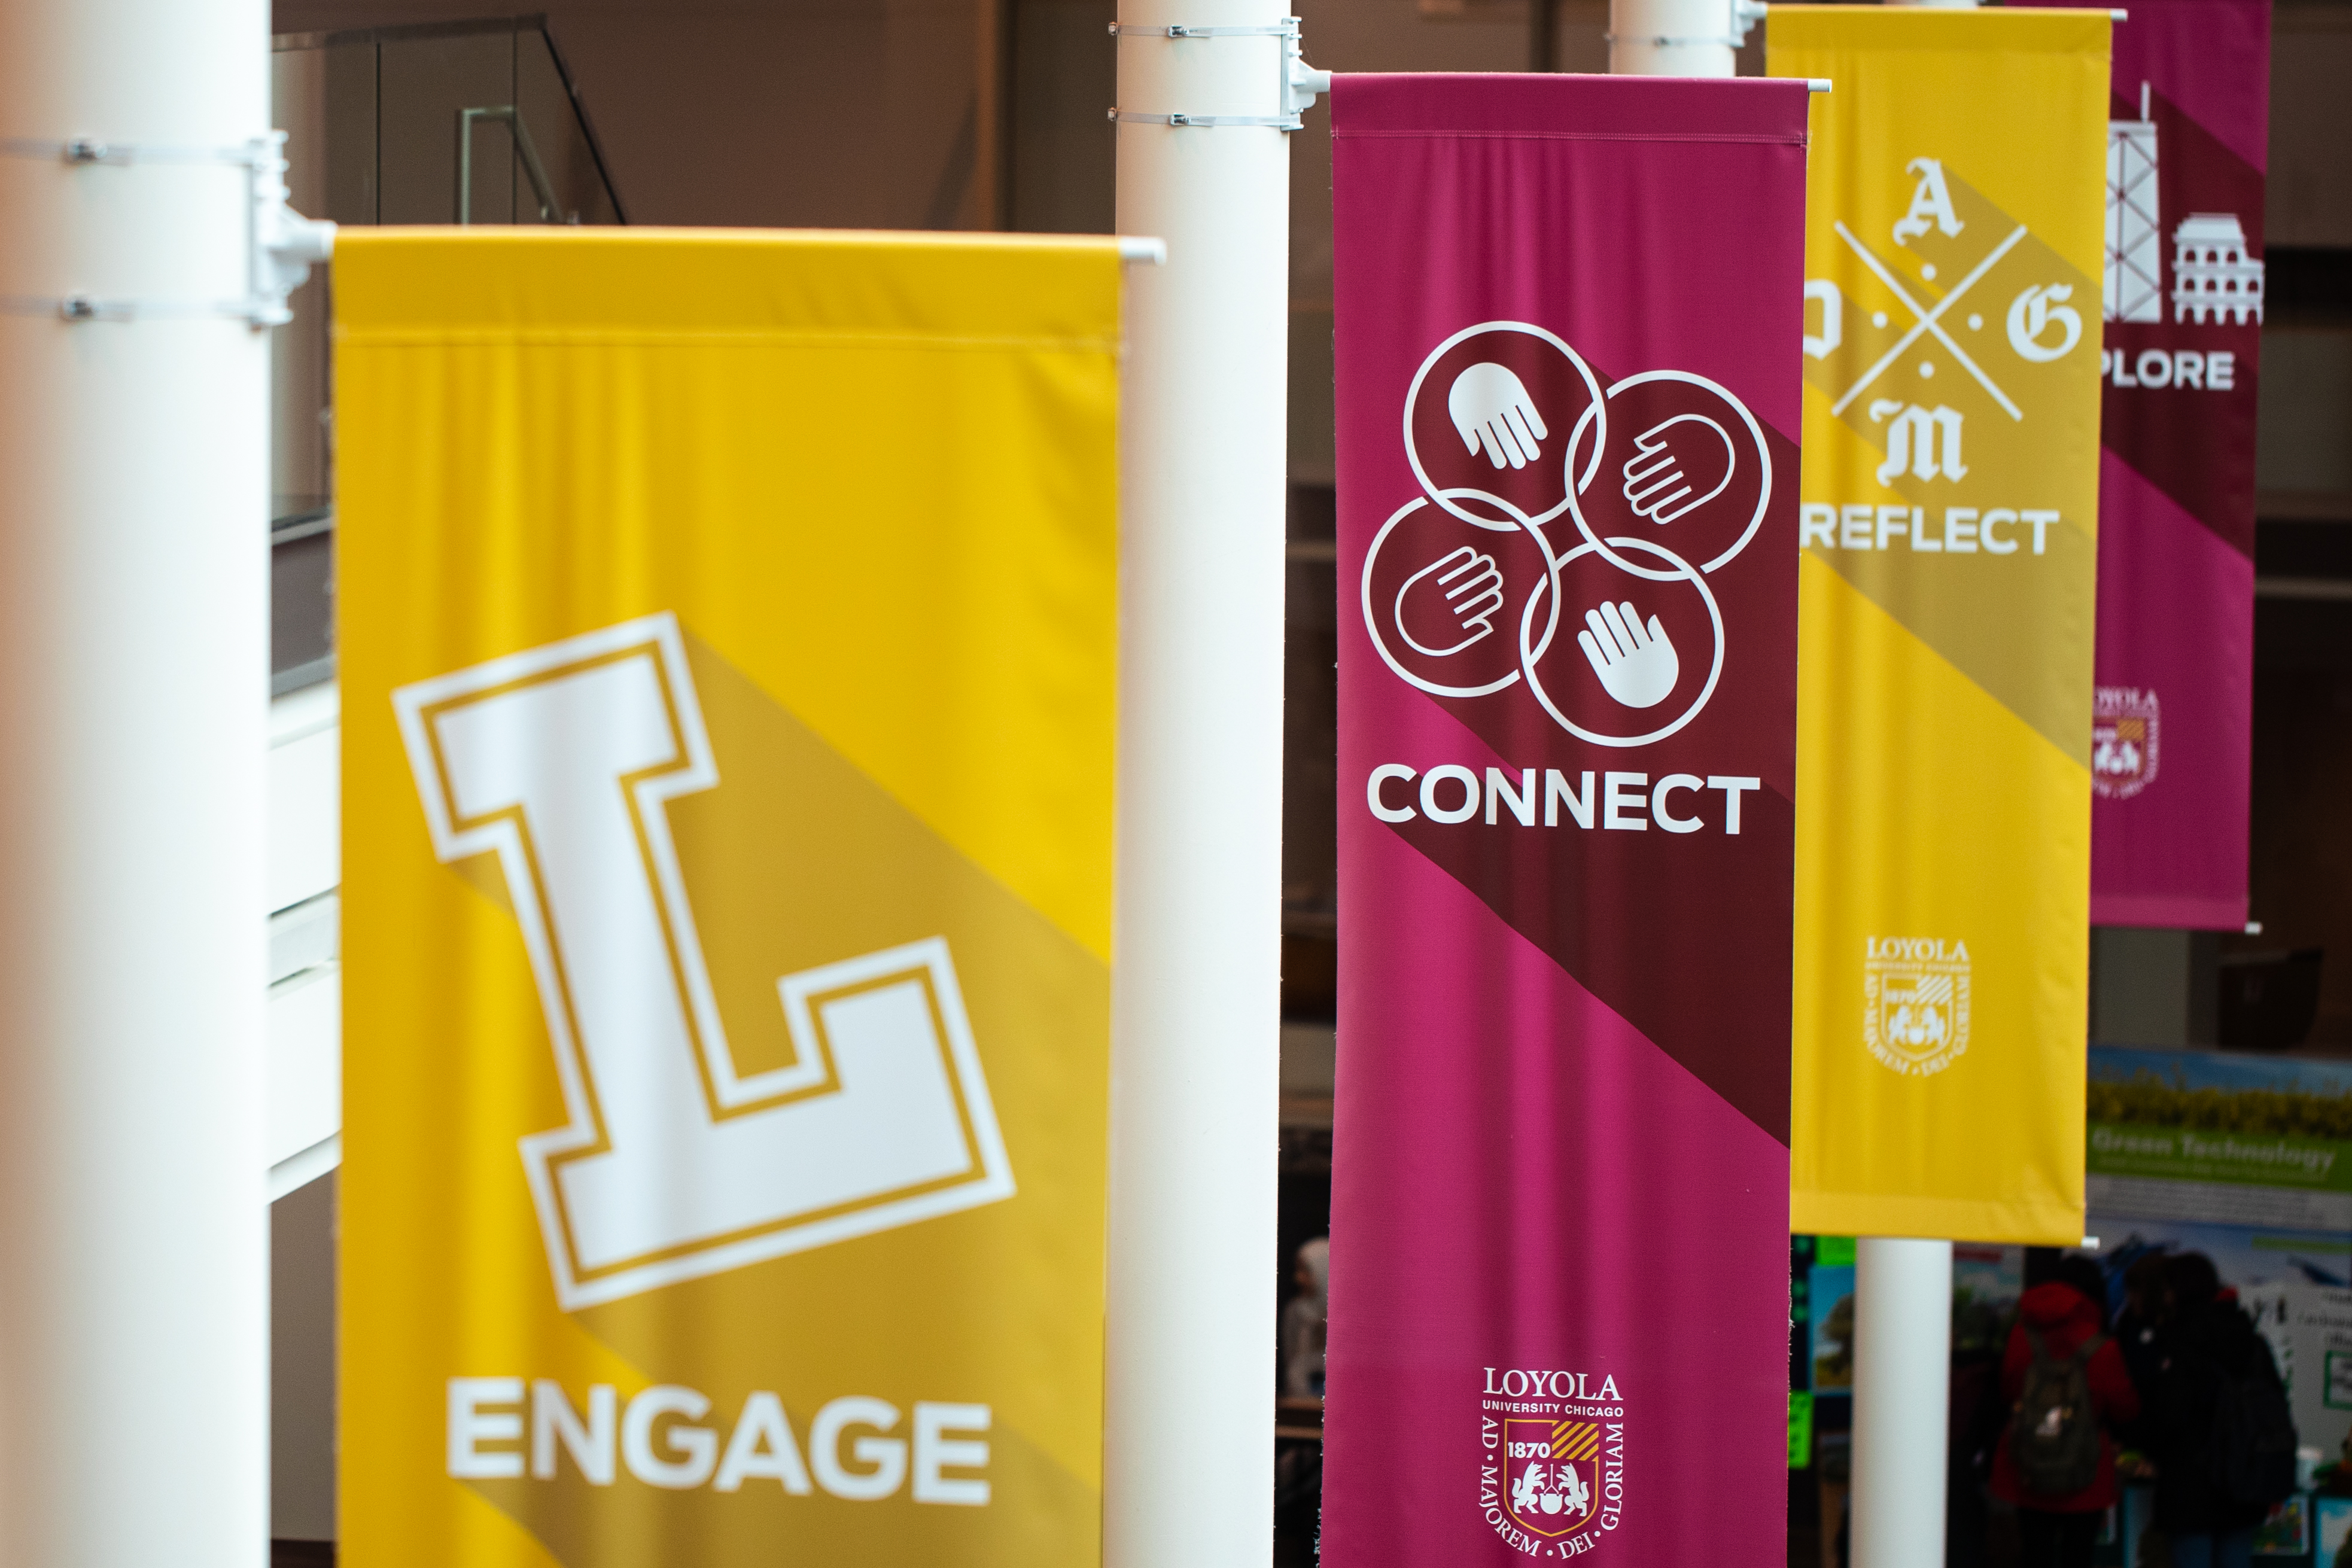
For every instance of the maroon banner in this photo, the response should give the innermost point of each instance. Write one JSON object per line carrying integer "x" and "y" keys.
{"x": 2171, "y": 727}
{"x": 1570, "y": 320}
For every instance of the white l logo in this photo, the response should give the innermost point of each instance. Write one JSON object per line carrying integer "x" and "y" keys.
{"x": 562, "y": 760}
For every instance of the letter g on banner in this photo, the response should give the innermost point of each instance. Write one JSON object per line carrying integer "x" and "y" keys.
{"x": 562, "y": 760}
{"x": 2031, "y": 316}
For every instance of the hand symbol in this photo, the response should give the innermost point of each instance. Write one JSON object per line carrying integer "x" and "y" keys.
{"x": 1474, "y": 592}
{"x": 1654, "y": 474}
{"x": 1490, "y": 404}
{"x": 1636, "y": 667}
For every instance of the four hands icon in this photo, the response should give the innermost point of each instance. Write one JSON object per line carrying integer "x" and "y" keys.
{"x": 1490, "y": 406}
{"x": 1680, "y": 466}
{"x": 1636, "y": 666}
{"x": 1474, "y": 592}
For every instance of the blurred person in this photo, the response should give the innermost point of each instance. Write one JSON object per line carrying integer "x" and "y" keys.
{"x": 2136, "y": 1325}
{"x": 1303, "y": 1322}
{"x": 1973, "y": 1426}
{"x": 2066, "y": 1381}
{"x": 2218, "y": 1425}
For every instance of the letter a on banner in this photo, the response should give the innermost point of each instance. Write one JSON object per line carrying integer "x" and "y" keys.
{"x": 727, "y": 648}
{"x": 1950, "y": 530}
{"x": 1569, "y": 377}
{"x": 2172, "y": 714}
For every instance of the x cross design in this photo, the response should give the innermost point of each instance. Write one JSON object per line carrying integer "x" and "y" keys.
{"x": 1928, "y": 320}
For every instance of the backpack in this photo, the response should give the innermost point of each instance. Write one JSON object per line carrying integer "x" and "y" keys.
{"x": 2252, "y": 1456}
{"x": 2053, "y": 1437}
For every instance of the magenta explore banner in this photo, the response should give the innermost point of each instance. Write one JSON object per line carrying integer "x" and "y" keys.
{"x": 1569, "y": 326}
{"x": 2172, "y": 714}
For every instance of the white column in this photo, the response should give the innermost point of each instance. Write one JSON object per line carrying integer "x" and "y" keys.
{"x": 133, "y": 687}
{"x": 1188, "y": 1439}
{"x": 1674, "y": 38}
{"x": 1902, "y": 1399}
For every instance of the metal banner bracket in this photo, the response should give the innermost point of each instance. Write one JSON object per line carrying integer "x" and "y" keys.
{"x": 1296, "y": 89}
{"x": 281, "y": 245}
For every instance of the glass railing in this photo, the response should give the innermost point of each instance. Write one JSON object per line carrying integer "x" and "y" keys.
{"x": 445, "y": 123}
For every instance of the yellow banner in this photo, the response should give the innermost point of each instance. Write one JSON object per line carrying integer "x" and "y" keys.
{"x": 727, "y": 645}
{"x": 1954, "y": 201}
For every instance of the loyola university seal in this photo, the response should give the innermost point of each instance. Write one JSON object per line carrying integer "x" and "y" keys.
{"x": 1915, "y": 993}
{"x": 1553, "y": 1461}
{"x": 2123, "y": 741}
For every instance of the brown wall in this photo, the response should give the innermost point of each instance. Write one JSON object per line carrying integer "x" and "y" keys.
{"x": 2310, "y": 195}
{"x": 832, "y": 113}
{"x": 2301, "y": 834}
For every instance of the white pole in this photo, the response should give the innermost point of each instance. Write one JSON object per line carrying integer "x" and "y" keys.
{"x": 1902, "y": 1378}
{"x": 134, "y": 1374}
{"x": 1676, "y": 37}
{"x": 1188, "y": 1420}
{"x": 1902, "y": 1397}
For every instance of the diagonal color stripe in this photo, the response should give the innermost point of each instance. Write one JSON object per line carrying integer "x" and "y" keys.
{"x": 2043, "y": 680}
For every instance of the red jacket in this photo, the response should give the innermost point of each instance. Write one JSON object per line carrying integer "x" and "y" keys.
{"x": 2065, "y": 1319}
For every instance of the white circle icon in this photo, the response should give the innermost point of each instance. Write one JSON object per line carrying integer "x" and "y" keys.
{"x": 1622, "y": 668}
{"x": 1489, "y": 407}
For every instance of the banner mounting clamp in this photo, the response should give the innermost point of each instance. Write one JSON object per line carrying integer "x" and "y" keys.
{"x": 281, "y": 244}
{"x": 1298, "y": 84}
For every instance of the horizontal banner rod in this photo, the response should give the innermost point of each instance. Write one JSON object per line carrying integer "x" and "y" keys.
{"x": 1208, "y": 122}
{"x": 121, "y": 155}
{"x": 1286, "y": 28}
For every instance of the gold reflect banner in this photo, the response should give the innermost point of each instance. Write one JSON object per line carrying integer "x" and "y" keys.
{"x": 1949, "y": 520}
{"x": 727, "y": 648}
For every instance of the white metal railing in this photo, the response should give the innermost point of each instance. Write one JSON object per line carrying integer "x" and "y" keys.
{"x": 305, "y": 989}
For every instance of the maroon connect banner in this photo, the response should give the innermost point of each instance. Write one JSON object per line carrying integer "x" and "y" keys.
{"x": 2172, "y": 712}
{"x": 1568, "y": 363}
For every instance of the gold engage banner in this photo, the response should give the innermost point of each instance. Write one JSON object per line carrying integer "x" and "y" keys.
{"x": 727, "y": 648}
{"x": 1955, "y": 199}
